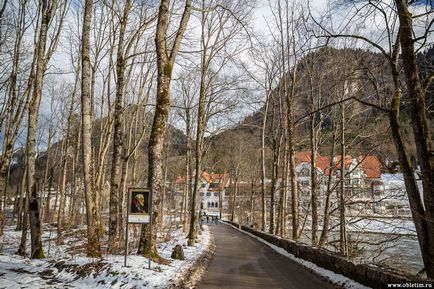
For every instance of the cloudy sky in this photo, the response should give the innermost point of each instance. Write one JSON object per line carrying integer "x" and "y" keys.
{"x": 342, "y": 12}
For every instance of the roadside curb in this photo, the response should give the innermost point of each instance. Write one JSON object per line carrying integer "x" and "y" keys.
{"x": 336, "y": 268}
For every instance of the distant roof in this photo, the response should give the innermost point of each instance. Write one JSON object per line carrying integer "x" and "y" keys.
{"x": 370, "y": 164}
{"x": 306, "y": 157}
{"x": 221, "y": 179}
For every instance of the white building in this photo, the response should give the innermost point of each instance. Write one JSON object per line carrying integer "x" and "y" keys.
{"x": 212, "y": 191}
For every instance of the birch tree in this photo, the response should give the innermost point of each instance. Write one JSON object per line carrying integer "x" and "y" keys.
{"x": 48, "y": 11}
{"x": 93, "y": 246}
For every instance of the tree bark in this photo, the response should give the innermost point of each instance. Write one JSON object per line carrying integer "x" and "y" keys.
{"x": 313, "y": 179}
{"x": 188, "y": 170}
{"x": 263, "y": 173}
{"x": 47, "y": 12}
{"x": 165, "y": 62}
{"x": 117, "y": 135}
{"x": 93, "y": 246}
{"x": 343, "y": 246}
{"x": 326, "y": 219}
{"x": 423, "y": 218}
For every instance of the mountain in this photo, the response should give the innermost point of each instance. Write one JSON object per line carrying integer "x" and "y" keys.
{"x": 176, "y": 137}
{"x": 323, "y": 72}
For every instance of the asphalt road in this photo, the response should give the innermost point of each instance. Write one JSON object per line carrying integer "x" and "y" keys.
{"x": 243, "y": 262}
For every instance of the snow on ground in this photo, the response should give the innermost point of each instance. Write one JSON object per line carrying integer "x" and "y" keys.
{"x": 63, "y": 269}
{"x": 396, "y": 182}
{"x": 330, "y": 275}
{"x": 383, "y": 226}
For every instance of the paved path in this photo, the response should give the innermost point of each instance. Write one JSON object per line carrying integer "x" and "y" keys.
{"x": 243, "y": 262}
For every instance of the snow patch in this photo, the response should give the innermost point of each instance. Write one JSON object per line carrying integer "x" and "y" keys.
{"x": 66, "y": 270}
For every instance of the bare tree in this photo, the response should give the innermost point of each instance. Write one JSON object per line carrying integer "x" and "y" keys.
{"x": 48, "y": 11}
{"x": 124, "y": 48}
{"x": 403, "y": 37}
{"x": 188, "y": 91}
{"x": 17, "y": 96}
{"x": 93, "y": 246}
{"x": 219, "y": 24}
{"x": 165, "y": 60}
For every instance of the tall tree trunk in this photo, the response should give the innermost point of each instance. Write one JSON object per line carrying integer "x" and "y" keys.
{"x": 4, "y": 180}
{"x": 93, "y": 246}
{"x": 165, "y": 62}
{"x": 263, "y": 174}
{"x": 47, "y": 12}
{"x": 198, "y": 166}
{"x": 76, "y": 199}
{"x": 22, "y": 189}
{"x": 22, "y": 248}
{"x": 61, "y": 191}
{"x": 313, "y": 178}
{"x": 424, "y": 219}
{"x": 47, "y": 214}
{"x": 16, "y": 105}
{"x": 188, "y": 170}
{"x": 292, "y": 172}
{"x": 326, "y": 219}
{"x": 64, "y": 166}
{"x": 117, "y": 135}
{"x": 343, "y": 246}
{"x": 274, "y": 178}
{"x": 200, "y": 131}
{"x": 24, "y": 215}
{"x": 234, "y": 199}
{"x": 284, "y": 187}
{"x": 124, "y": 177}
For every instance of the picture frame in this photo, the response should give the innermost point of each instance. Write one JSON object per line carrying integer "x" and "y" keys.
{"x": 138, "y": 206}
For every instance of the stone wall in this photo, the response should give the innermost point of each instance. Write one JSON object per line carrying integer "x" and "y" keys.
{"x": 368, "y": 275}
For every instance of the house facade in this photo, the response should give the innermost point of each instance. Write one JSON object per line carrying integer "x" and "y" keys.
{"x": 362, "y": 176}
{"x": 212, "y": 191}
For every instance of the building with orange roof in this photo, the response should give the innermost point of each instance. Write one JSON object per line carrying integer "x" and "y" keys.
{"x": 371, "y": 166}
{"x": 212, "y": 191}
{"x": 360, "y": 172}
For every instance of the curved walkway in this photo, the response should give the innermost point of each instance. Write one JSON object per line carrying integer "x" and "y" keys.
{"x": 243, "y": 262}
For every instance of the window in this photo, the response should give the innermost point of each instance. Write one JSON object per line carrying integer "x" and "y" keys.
{"x": 216, "y": 204}
{"x": 208, "y": 194}
{"x": 201, "y": 206}
{"x": 304, "y": 172}
{"x": 216, "y": 194}
{"x": 209, "y": 205}
{"x": 214, "y": 186}
{"x": 202, "y": 194}
{"x": 304, "y": 183}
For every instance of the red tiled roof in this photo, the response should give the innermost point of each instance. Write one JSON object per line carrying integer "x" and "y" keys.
{"x": 180, "y": 180}
{"x": 371, "y": 166}
{"x": 223, "y": 178}
{"x": 305, "y": 157}
{"x": 206, "y": 176}
{"x": 347, "y": 162}
{"x": 209, "y": 178}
